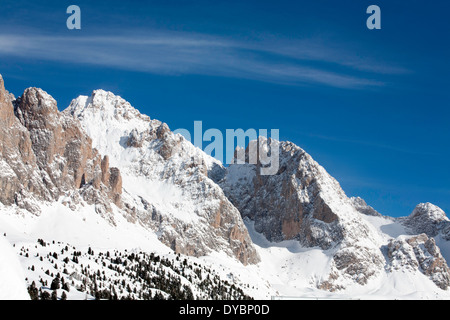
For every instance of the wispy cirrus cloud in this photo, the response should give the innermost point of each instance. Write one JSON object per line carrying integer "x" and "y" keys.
{"x": 178, "y": 53}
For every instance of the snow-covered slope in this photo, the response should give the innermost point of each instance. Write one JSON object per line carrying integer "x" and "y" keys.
{"x": 75, "y": 272}
{"x": 294, "y": 272}
{"x": 12, "y": 279}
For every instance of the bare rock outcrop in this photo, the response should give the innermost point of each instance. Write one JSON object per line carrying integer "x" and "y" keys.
{"x": 18, "y": 174}
{"x": 419, "y": 253}
{"x": 45, "y": 155}
{"x": 361, "y": 206}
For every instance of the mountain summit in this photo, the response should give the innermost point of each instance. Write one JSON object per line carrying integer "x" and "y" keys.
{"x": 304, "y": 203}
{"x": 165, "y": 179}
{"x": 45, "y": 155}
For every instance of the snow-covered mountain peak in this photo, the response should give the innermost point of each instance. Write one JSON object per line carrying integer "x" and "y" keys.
{"x": 427, "y": 218}
{"x": 40, "y": 99}
{"x": 120, "y": 130}
{"x": 429, "y": 211}
{"x": 165, "y": 178}
{"x": 108, "y": 104}
{"x": 303, "y": 202}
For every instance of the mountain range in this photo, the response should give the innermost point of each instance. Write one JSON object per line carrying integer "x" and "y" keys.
{"x": 102, "y": 177}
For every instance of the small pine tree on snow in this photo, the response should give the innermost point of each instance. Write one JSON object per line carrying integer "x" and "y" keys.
{"x": 66, "y": 287}
{"x": 42, "y": 243}
{"x": 56, "y": 284}
{"x": 64, "y": 296}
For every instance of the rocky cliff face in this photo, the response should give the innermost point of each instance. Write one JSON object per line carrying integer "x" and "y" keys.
{"x": 18, "y": 162}
{"x": 419, "y": 253}
{"x": 303, "y": 202}
{"x": 45, "y": 155}
{"x": 165, "y": 178}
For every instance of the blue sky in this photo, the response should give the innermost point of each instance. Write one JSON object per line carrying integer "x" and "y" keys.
{"x": 371, "y": 106}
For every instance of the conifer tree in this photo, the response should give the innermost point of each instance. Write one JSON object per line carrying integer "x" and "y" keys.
{"x": 33, "y": 291}
{"x": 56, "y": 284}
